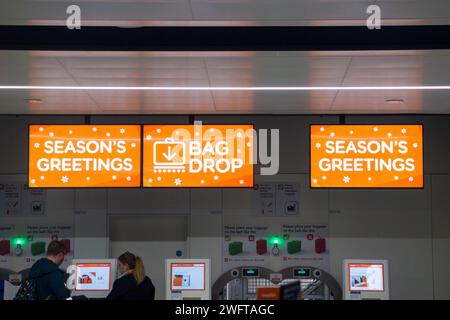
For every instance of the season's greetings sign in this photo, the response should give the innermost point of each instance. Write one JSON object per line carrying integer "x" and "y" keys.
{"x": 198, "y": 156}
{"x": 84, "y": 156}
{"x": 366, "y": 156}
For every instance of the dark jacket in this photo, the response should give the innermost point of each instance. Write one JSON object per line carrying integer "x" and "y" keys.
{"x": 126, "y": 288}
{"x": 50, "y": 280}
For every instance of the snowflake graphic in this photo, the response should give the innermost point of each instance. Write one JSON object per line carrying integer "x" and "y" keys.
{"x": 128, "y": 178}
{"x": 133, "y": 145}
{"x": 41, "y": 129}
{"x": 148, "y": 137}
{"x": 122, "y": 130}
{"x": 51, "y": 134}
{"x": 33, "y": 181}
{"x": 37, "y": 145}
{"x": 403, "y": 130}
{"x": 332, "y": 134}
{"x": 346, "y": 179}
{"x": 411, "y": 179}
{"x": 177, "y": 181}
{"x": 65, "y": 179}
{"x": 415, "y": 144}
{"x": 375, "y": 129}
{"x": 94, "y": 129}
{"x": 318, "y": 145}
{"x": 108, "y": 134}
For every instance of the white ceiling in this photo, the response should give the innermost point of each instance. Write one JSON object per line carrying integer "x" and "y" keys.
{"x": 396, "y": 68}
{"x": 223, "y": 12}
{"x": 385, "y": 68}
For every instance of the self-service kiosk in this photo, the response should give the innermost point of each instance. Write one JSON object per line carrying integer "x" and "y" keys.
{"x": 188, "y": 279}
{"x": 93, "y": 278}
{"x": 366, "y": 279}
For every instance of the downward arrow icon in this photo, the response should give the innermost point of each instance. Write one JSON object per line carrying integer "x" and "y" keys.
{"x": 170, "y": 155}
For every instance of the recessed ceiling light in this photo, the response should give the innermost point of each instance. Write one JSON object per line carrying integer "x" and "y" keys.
{"x": 33, "y": 101}
{"x": 395, "y": 101}
{"x": 249, "y": 88}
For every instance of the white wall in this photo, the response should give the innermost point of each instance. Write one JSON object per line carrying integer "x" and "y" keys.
{"x": 409, "y": 227}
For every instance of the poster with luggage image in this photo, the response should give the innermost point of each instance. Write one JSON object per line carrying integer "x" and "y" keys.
{"x": 38, "y": 236}
{"x": 305, "y": 244}
{"x": 245, "y": 244}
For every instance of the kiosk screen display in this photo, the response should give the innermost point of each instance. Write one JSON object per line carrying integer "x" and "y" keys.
{"x": 366, "y": 277}
{"x": 187, "y": 276}
{"x": 93, "y": 276}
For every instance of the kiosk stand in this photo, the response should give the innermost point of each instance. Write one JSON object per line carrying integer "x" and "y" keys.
{"x": 366, "y": 279}
{"x": 188, "y": 279}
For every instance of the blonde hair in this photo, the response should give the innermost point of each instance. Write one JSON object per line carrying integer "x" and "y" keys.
{"x": 135, "y": 263}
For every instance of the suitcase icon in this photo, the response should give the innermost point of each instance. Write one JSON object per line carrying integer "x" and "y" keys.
{"x": 167, "y": 153}
{"x": 320, "y": 245}
{"x": 261, "y": 246}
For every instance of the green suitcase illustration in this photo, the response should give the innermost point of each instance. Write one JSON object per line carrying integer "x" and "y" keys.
{"x": 235, "y": 248}
{"x": 294, "y": 246}
{"x": 38, "y": 248}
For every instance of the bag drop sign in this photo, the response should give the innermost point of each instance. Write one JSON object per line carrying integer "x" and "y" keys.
{"x": 198, "y": 156}
{"x": 84, "y": 156}
{"x": 366, "y": 156}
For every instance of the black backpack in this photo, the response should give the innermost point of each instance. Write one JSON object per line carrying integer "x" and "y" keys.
{"x": 27, "y": 290}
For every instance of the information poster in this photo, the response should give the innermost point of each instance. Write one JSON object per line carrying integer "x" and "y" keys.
{"x": 245, "y": 245}
{"x": 38, "y": 236}
{"x": 277, "y": 246}
{"x": 276, "y": 199}
{"x": 16, "y": 199}
{"x": 306, "y": 244}
{"x": 264, "y": 199}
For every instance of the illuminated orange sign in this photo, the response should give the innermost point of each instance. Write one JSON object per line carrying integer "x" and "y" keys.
{"x": 84, "y": 156}
{"x": 198, "y": 156}
{"x": 366, "y": 156}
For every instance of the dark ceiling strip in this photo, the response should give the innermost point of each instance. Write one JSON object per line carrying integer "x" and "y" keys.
{"x": 224, "y": 38}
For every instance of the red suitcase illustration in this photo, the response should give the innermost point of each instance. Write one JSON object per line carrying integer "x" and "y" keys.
{"x": 4, "y": 247}
{"x": 320, "y": 245}
{"x": 261, "y": 246}
{"x": 66, "y": 244}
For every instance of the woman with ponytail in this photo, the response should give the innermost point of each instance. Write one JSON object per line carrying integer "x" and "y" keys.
{"x": 132, "y": 284}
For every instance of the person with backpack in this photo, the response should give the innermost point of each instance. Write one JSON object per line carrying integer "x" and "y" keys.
{"x": 132, "y": 284}
{"x": 46, "y": 276}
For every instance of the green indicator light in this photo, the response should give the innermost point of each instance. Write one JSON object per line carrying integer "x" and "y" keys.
{"x": 275, "y": 241}
{"x": 19, "y": 241}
